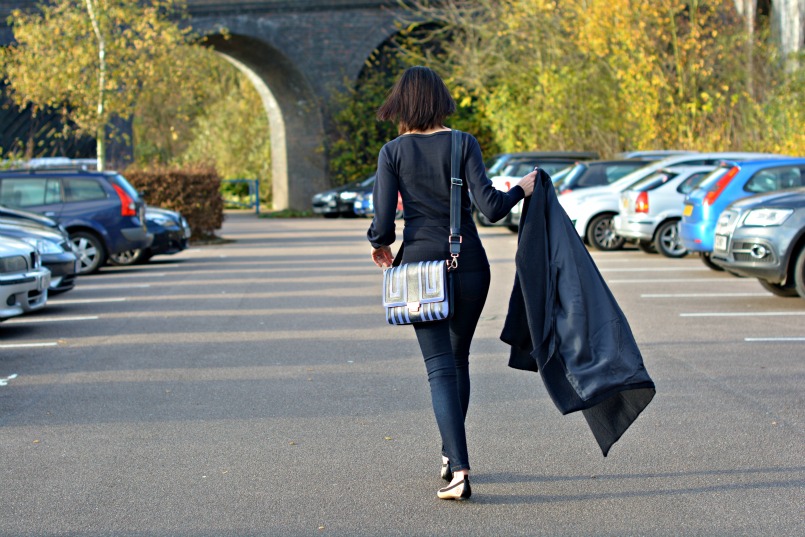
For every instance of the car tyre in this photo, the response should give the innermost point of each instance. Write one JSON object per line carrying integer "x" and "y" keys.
{"x": 646, "y": 247}
{"x": 779, "y": 290}
{"x": 799, "y": 273}
{"x": 709, "y": 262}
{"x": 129, "y": 257}
{"x": 667, "y": 240}
{"x": 601, "y": 234}
{"x": 90, "y": 251}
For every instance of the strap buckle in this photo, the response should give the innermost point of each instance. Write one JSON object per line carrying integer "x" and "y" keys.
{"x": 456, "y": 181}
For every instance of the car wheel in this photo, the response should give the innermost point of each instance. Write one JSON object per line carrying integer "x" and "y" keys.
{"x": 514, "y": 229}
{"x": 330, "y": 215}
{"x": 90, "y": 251}
{"x": 709, "y": 262}
{"x": 602, "y": 236}
{"x": 779, "y": 290}
{"x": 129, "y": 257}
{"x": 799, "y": 274}
{"x": 667, "y": 240}
{"x": 646, "y": 247}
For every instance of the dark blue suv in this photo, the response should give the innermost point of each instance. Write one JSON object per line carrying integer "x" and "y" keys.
{"x": 101, "y": 211}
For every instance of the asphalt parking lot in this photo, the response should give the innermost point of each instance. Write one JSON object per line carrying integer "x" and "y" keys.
{"x": 253, "y": 388}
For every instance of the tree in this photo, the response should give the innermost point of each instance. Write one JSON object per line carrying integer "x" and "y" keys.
{"x": 92, "y": 58}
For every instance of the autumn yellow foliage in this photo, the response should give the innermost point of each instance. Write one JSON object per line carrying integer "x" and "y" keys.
{"x": 615, "y": 75}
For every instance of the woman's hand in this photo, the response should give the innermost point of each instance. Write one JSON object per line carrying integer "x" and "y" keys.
{"x": 527, "y": 183}
{"x": 382, "y": 256}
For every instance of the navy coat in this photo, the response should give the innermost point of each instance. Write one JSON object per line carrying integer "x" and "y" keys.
{"x": 564, "y": 322}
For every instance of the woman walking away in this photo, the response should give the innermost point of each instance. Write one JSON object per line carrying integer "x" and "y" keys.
{"x": 417, "y": 165}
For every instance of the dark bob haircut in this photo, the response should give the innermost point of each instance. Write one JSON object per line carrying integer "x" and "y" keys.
{"x": 418, "y": 101}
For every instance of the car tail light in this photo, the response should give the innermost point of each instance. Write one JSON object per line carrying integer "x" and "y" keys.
{"x": 720, "y": 185}
{"x": 127, "y": 205}
{"x": 508, "y": 186}
{"x": 641, "y": 203}
{"x": 565, "y": 191}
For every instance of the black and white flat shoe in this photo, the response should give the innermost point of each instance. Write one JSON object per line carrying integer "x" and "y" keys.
{"x": 459, "y": 491}
{"x": 447, "y": 473}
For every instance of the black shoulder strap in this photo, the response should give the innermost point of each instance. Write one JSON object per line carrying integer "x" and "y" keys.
{"x": 455, "y": 199}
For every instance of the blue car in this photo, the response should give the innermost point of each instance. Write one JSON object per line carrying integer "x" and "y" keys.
{"x": 728, "y": 183}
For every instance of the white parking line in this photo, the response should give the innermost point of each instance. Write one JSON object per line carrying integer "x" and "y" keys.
{"x": 26, "y": 320}
{"x": 774, "y": 339}
{"x": 744, "y": 314}
{"x": 655, "y": 269}
{"x": 703, "y": 295}
{"x": 26, "y": 345}
{"x": 87, "y": 301}
{"x": 686, "y": 280}
{"x": 108, "y": 285}
{"x": 137, "y": 275}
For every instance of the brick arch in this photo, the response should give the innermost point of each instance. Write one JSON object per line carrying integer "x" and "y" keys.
{"x": 295, "y": 118}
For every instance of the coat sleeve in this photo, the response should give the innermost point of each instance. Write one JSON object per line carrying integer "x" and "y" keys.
{"x": 494, "y": 203}
{"x": 384, "y": 197}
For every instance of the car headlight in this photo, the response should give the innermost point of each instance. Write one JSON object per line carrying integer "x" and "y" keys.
{"x": 767, "y": 217}
{"x": 161, "y": 221}
{"x": 346, "y": 196}
{"x": 15, "y": 263}
{"x": 44, "y": 246}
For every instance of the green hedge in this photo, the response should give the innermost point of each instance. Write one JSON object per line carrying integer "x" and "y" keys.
{"x": 194, "y": 192}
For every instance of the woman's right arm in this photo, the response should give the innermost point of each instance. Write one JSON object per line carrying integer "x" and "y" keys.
{"x": 493, "y": 203}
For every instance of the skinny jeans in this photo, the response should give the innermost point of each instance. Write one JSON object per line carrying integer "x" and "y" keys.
{"x": 445, "y": 347}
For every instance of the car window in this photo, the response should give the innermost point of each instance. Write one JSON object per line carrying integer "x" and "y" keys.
{"x": 76, "y": 189}
{"x": 712, "y": 178}
{"x": 613, "y": 173}
{"x": 119, "y": 180}
{"x": 691, "y": 182}
{"x": 772, "y": 179}
{"x": 29, "y": 192}
{"x": 593, "y": 176}
{"x": 655, "y": 180}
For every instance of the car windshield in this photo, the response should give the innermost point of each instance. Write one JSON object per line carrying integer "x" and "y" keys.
{"x": 653, "y": 181}
{"x": 572, "y": 174}
{"x": 119, "y": 180}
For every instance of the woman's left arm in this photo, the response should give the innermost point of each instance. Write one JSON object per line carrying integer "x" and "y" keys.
{"x": 384, "y": 197}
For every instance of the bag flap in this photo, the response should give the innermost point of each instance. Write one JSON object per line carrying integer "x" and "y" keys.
{"x": 422, "y": 282}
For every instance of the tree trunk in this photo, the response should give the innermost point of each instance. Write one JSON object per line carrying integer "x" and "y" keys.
{"x": 101, "y": 129}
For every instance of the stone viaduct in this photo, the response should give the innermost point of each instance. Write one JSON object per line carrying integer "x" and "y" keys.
{"x": 296, "y": 53}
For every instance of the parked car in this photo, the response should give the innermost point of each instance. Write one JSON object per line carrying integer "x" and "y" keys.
{"x": 101, "y": 211}
{"x": 23, "y": 279}
{"x": 592, "y": 209}
{"x": 596, "y": 173}
{"x": 731, "y": 182}
{"x": 655, "y": 154}
{"x": 340, "y": 201}
{"x": 509, "y": 168}
{"x": 651, "y": 209}
{"x": 763, "y": 237}
{"x": 54, "y": 247}
{"x": 171, "y": 233}
{"x": 364, "y": 205}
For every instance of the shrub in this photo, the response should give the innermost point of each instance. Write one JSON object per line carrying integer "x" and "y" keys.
{"x": 194, "y": 192}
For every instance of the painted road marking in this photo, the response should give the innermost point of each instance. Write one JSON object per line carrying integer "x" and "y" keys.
{"x": 25, "y": 345}
{"x": 108, "y": 285}
{"x": 86, "y": 301}
{"x": 703, "y": 295}
{"x": 4, "y": 382}
{"x": 774, "y": 339}
{"x": 742, "y": 314}
{"x": 687, "y": 280}
{"x": 51, "y": 319}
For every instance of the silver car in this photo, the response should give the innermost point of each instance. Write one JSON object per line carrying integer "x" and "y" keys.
{"x": 23, "y": 280}
{"x": 651, "y": 209}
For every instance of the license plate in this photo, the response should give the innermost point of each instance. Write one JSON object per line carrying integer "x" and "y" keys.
{"x": 688, "y": 210}
{"x": 721, "y": 242}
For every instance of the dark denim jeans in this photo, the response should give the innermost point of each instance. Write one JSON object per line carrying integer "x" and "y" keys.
{"x": 445, "y": 346}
